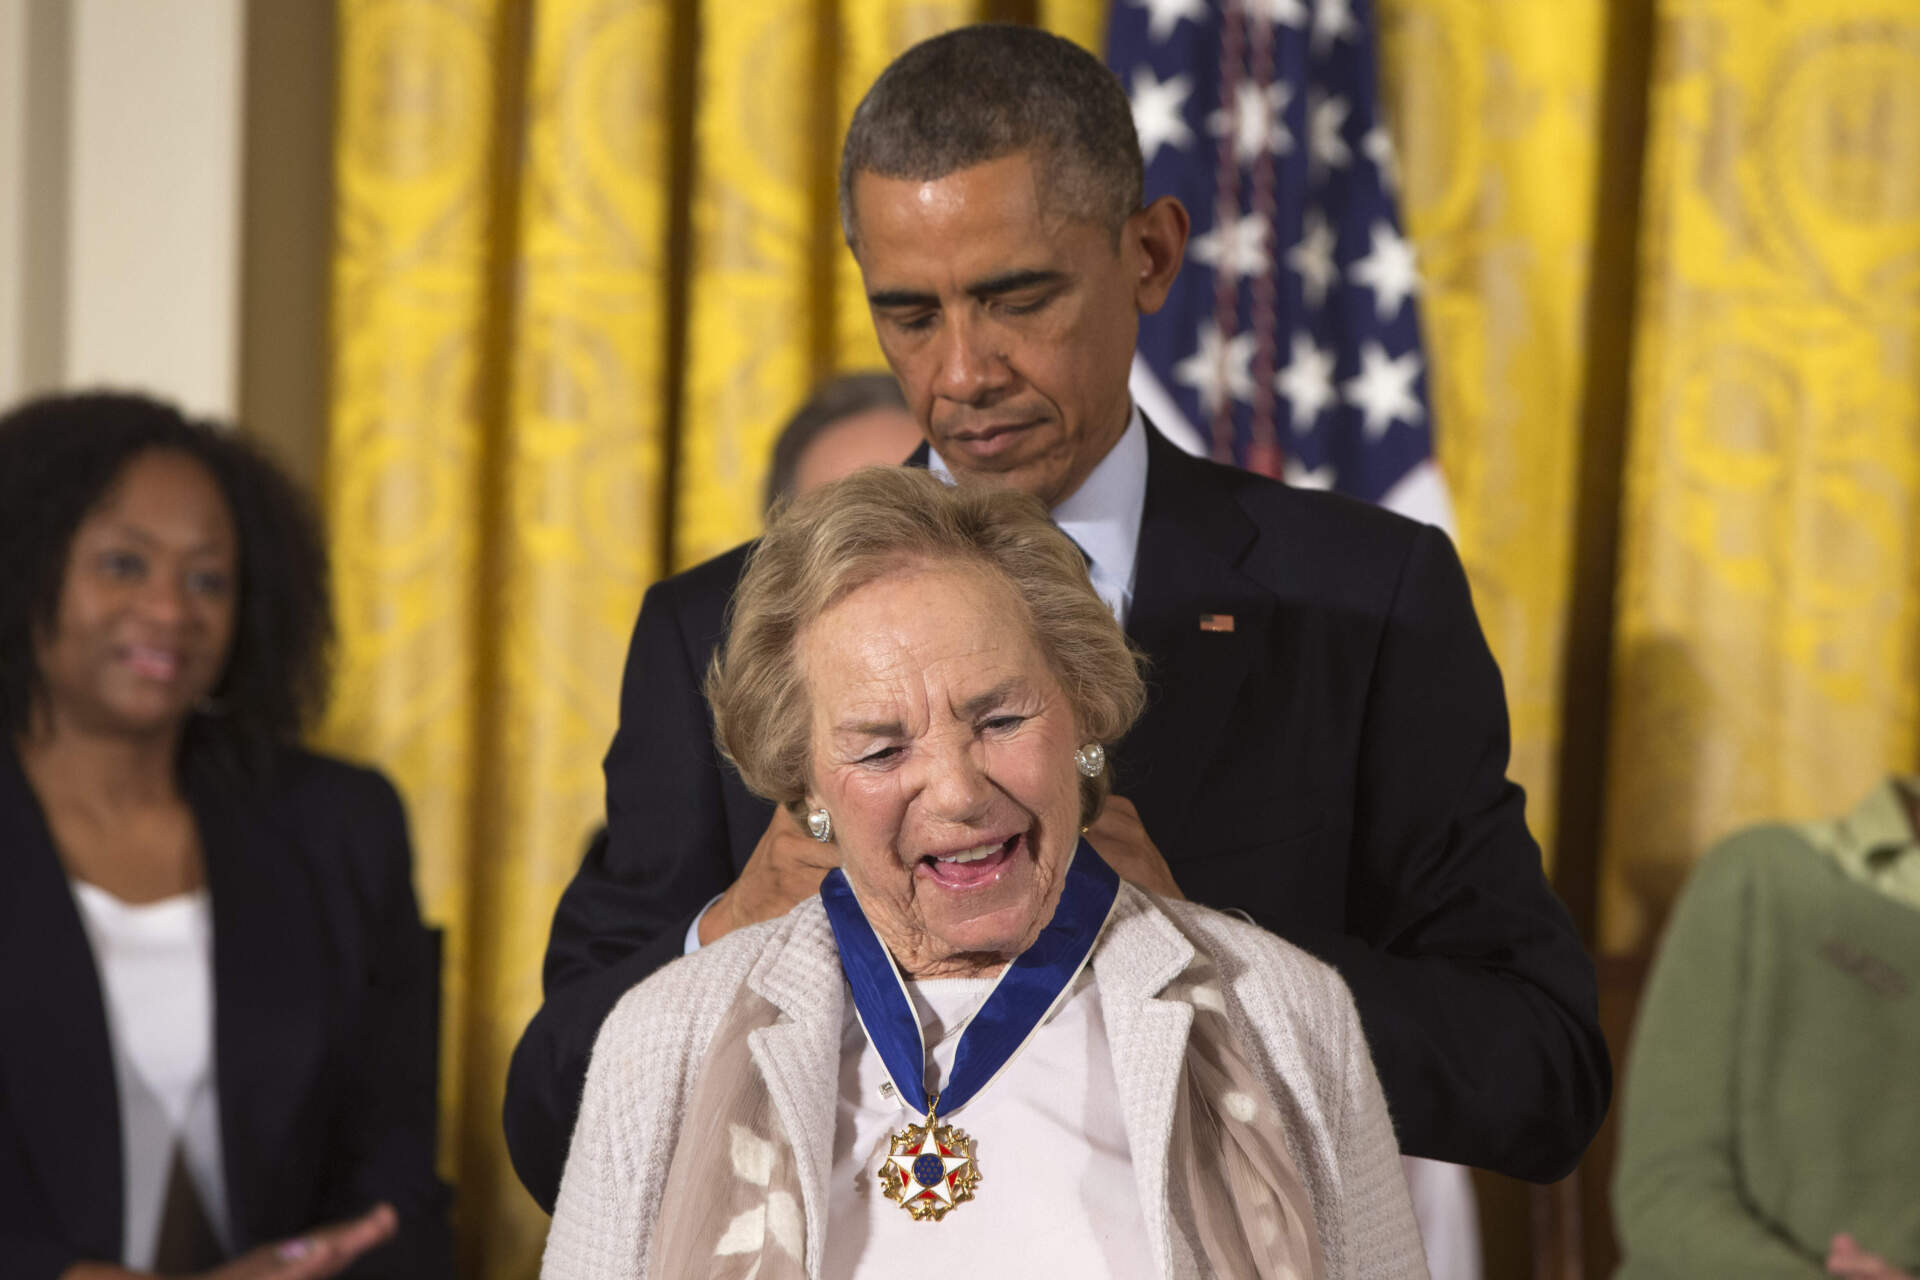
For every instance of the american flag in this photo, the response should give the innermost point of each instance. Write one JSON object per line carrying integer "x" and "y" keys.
{"x": 1291, "y": 342}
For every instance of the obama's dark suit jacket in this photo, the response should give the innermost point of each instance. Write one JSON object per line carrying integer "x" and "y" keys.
{"x": 1334, "y": 764}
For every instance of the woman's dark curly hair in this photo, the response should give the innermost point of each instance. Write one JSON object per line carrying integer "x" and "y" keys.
{"x": 59, "y": 459}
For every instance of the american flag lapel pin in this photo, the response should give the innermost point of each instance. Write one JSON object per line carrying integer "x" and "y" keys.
{"x": 1216, "y": 622}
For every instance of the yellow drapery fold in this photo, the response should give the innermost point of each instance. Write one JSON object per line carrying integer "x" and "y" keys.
{"x": 750, "y": 327}
{"x": 775, "y": 301}
{"x": 495, "y": 480}
{"x": 872, "y": 34}
{"x": 405, "y": 473}
{"x": 1493, "y": 108}
{"x": 579, "y": 524}
{"x": 1765, "y": 636}
{"x": 1768, "y": 647}
{"x": 1082, "y": 21}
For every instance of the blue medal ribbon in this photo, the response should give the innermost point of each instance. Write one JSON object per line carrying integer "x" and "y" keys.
{"x": 1028, "y": 990}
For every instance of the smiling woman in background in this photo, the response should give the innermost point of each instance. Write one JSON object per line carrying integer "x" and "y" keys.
{"x": 216, "y": 1039}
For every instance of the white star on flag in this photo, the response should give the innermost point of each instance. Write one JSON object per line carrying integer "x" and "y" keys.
{"x": 1377, "y": 146}
{"x": 1306, "y": 382}
{"x": 1301, "y": 476}
{"x": 1389, "y": 270}
{"x": 1313, "y": 257}
{"x": 1219, "y": 367}
{"x": 905, "y": 1161}
{"x": 1164, "y": 15}
{"x": 1326, "y": 116}
{"x": 1256, "y": 120}
{"x": 1332, "y": 19}
{"x": 1282, "y": 13}
{"x": 1239, "y": 248}
{"x": 1293, "y": 347}
{"x": 1383, "y": 390}
{"x": 1157, "y": 111}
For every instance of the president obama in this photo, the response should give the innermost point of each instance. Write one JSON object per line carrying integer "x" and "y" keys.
{"x": 1326, "y": 744}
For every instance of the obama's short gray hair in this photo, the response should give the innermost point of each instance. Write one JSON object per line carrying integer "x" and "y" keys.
{"x": 982, "y": 92}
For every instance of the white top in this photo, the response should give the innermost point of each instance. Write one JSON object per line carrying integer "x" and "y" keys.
{"x": 1103, "y": 514}
{"x": 156, "y": 977}
{"x": 1057, "y": 1195}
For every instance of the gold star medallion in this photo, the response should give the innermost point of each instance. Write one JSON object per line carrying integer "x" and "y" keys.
{"x": 929, "y": 1169}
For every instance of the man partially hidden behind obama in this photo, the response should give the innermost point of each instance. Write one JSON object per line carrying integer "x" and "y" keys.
{"x": 1324, "y": 740}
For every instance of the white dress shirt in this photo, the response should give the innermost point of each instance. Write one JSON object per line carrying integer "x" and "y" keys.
{"x": 156, "y": 980}
{"x": 1103, "y": 514}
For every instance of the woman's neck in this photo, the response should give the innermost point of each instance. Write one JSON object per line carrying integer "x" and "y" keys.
{"x": 966, "y": 965}
{"x": 99, "y": 773}
{"x": 114, "y": 811}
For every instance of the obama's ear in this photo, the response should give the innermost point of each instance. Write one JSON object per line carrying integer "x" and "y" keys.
{"x": 1155, "y": 241}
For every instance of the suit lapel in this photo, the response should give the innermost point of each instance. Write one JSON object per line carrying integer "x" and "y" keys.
{"x": 799, "y": 1056}
{"x": 57, "y": 1069}
{"x": 269, "y": 981}
{"x": 1193, "y": 535}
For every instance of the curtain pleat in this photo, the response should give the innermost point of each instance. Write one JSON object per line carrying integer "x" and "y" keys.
{"x": 1082, "y": 21}
{"x": 1767, "y": 657}
{"x": 580, "y": 526}
{"x": 775, "y": 301}
{"x": 1494, "y": 109}
{"x": 415, "y": 164}
{"x": 750, "y": 316}
{"x": 872, "y": 34}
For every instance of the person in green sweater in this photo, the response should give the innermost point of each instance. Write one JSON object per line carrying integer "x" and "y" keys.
{"x": 1772, "y": 1110}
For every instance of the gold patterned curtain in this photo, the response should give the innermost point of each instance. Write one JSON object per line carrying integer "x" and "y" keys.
{"x": 1495, "y": 110}
{"x": 1767, "y": 652}
{"x": 1672, "y": 257}
{"x": 587, "y": 259}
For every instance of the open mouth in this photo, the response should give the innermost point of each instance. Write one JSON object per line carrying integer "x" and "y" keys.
{"x": 154, "y": 664}
{"x": 969, "y": 868}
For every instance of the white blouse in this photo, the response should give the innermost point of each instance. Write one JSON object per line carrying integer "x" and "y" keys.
{"x": 156, "y": 975}
{"x": 1057, "y": 1196}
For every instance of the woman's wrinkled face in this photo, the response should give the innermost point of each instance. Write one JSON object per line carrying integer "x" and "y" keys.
{"x": 942, "y": 746}
{"x": 146, "y": 613}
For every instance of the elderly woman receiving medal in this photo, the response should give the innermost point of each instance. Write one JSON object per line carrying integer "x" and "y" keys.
{"x": 977, "y": 1052}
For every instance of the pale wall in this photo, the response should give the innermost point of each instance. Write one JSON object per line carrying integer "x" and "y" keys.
{"x": 164, "y": 206}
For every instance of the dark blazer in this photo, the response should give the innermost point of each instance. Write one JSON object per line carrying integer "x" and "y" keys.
{"x": 1334, "y": 765}
{"x": 323, "y": 1033}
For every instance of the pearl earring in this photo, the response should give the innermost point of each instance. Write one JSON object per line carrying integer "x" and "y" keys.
{"x": 820, "y": 825}
{"x": 1090, "y": 760}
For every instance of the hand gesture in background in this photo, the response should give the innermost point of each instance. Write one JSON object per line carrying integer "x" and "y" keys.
{"x": 324, "y": 1251}
{"x": 1846, "y": 1258}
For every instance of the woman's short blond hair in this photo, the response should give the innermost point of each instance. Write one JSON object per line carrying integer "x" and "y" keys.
{"x": 840, "y": 537}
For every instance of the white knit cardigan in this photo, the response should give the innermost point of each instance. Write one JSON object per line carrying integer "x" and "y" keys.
{"x": 1291, "y": 1012}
